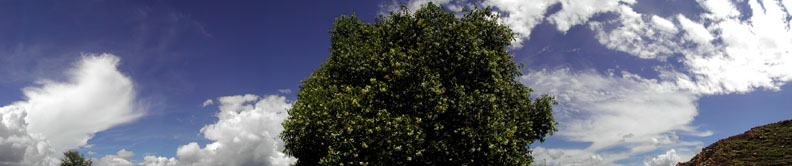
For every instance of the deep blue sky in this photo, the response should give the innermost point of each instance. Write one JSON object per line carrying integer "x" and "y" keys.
{"x": 180, "y": 54}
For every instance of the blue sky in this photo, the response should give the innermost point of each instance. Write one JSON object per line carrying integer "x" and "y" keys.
{"x": 640, "y": 82}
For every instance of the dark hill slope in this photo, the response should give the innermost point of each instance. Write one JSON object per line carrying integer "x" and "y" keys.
{"x": 770, "y": 144}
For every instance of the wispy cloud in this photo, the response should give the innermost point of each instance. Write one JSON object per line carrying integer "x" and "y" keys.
{"x": 208, "y": 102}
{"x": 285, "y": 91}
{"x": 87, "y": 146}
{"x": 618, "y": 110}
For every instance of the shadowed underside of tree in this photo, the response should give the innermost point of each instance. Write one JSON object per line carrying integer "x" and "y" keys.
{"x": 422, "y": 88}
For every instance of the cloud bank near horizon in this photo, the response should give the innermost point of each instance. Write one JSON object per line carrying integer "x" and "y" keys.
{"x": 247, "y": 133}
{"x": 52, "y": 120}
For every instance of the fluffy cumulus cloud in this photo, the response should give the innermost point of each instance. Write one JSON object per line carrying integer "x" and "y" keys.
{"x": 159, "y": 161}
{"x": 523, "y": 16}
{"x": 718, "y": 50}
{"x": 95, "y": 90}
{"x": 754, "y": 54}
{"x": 670, "y": 158}
{"x": 121, "y": 158}
{"x": 52, "y": 119}
{"x": 17, "y": 145}
{"x": 720, "y": 54}
{"x": 246, "y": 133}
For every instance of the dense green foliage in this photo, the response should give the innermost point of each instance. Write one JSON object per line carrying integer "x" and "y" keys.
{"x": 74, "y": 158}
{"x": 764, "y": 145}
{"x": 422, "y": 88}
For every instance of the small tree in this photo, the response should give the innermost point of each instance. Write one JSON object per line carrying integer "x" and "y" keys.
{"x": 74, "y": 158}
{"x": 422, "y": 88}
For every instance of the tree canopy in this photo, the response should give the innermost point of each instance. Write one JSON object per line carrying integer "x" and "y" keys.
{"x": 417, "y": 88}
{"x": 74, "y": 158}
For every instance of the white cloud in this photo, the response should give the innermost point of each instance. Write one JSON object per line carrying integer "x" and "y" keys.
{"x": 666, "y": 139}
{"x": 247, "y": 133}
{"x": 58, "y": 116}
{"x": 412, "y": 5}
{"x": 88, "y": 146}
{"x": 95, "y": 97}
{"x": 592, "y": 160}
{"x": 753, "y": 53}
{"x": 664, "y": 24}
{"x": 112, "y": 160}
{"x": 670, "y": 158}
{"x": 717, "y": 53}
{"x": 694, "y": 31}
{"x": 613, "y": 106}
{"x": 613, "y": 110}
{"x": 720, "y": 9}
{"x": 207, "y": 102}
{"x": 523, "y": 16}
{"x": 576, "y": 12}
{"x": 284, "y": 91}
{"x": 572, "y": 157}
{"x": 121, "y": 158}
{"x": 17, "y": 145}
{"x": 159, "y": 161}
{"x": 788, "y": 6}
{"x": 636, "y": 36}
{"x": 123, "y": 153}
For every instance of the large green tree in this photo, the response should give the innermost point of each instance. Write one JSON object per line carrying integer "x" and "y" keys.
{"x": 417, "y": 88}
{"x": 74, "y": 158}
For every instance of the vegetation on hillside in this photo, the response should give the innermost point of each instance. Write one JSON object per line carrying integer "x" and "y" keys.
{"x": 770, "y": 144}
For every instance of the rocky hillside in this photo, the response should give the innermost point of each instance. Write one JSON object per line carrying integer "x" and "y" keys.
{"x": 770, "y": 144}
